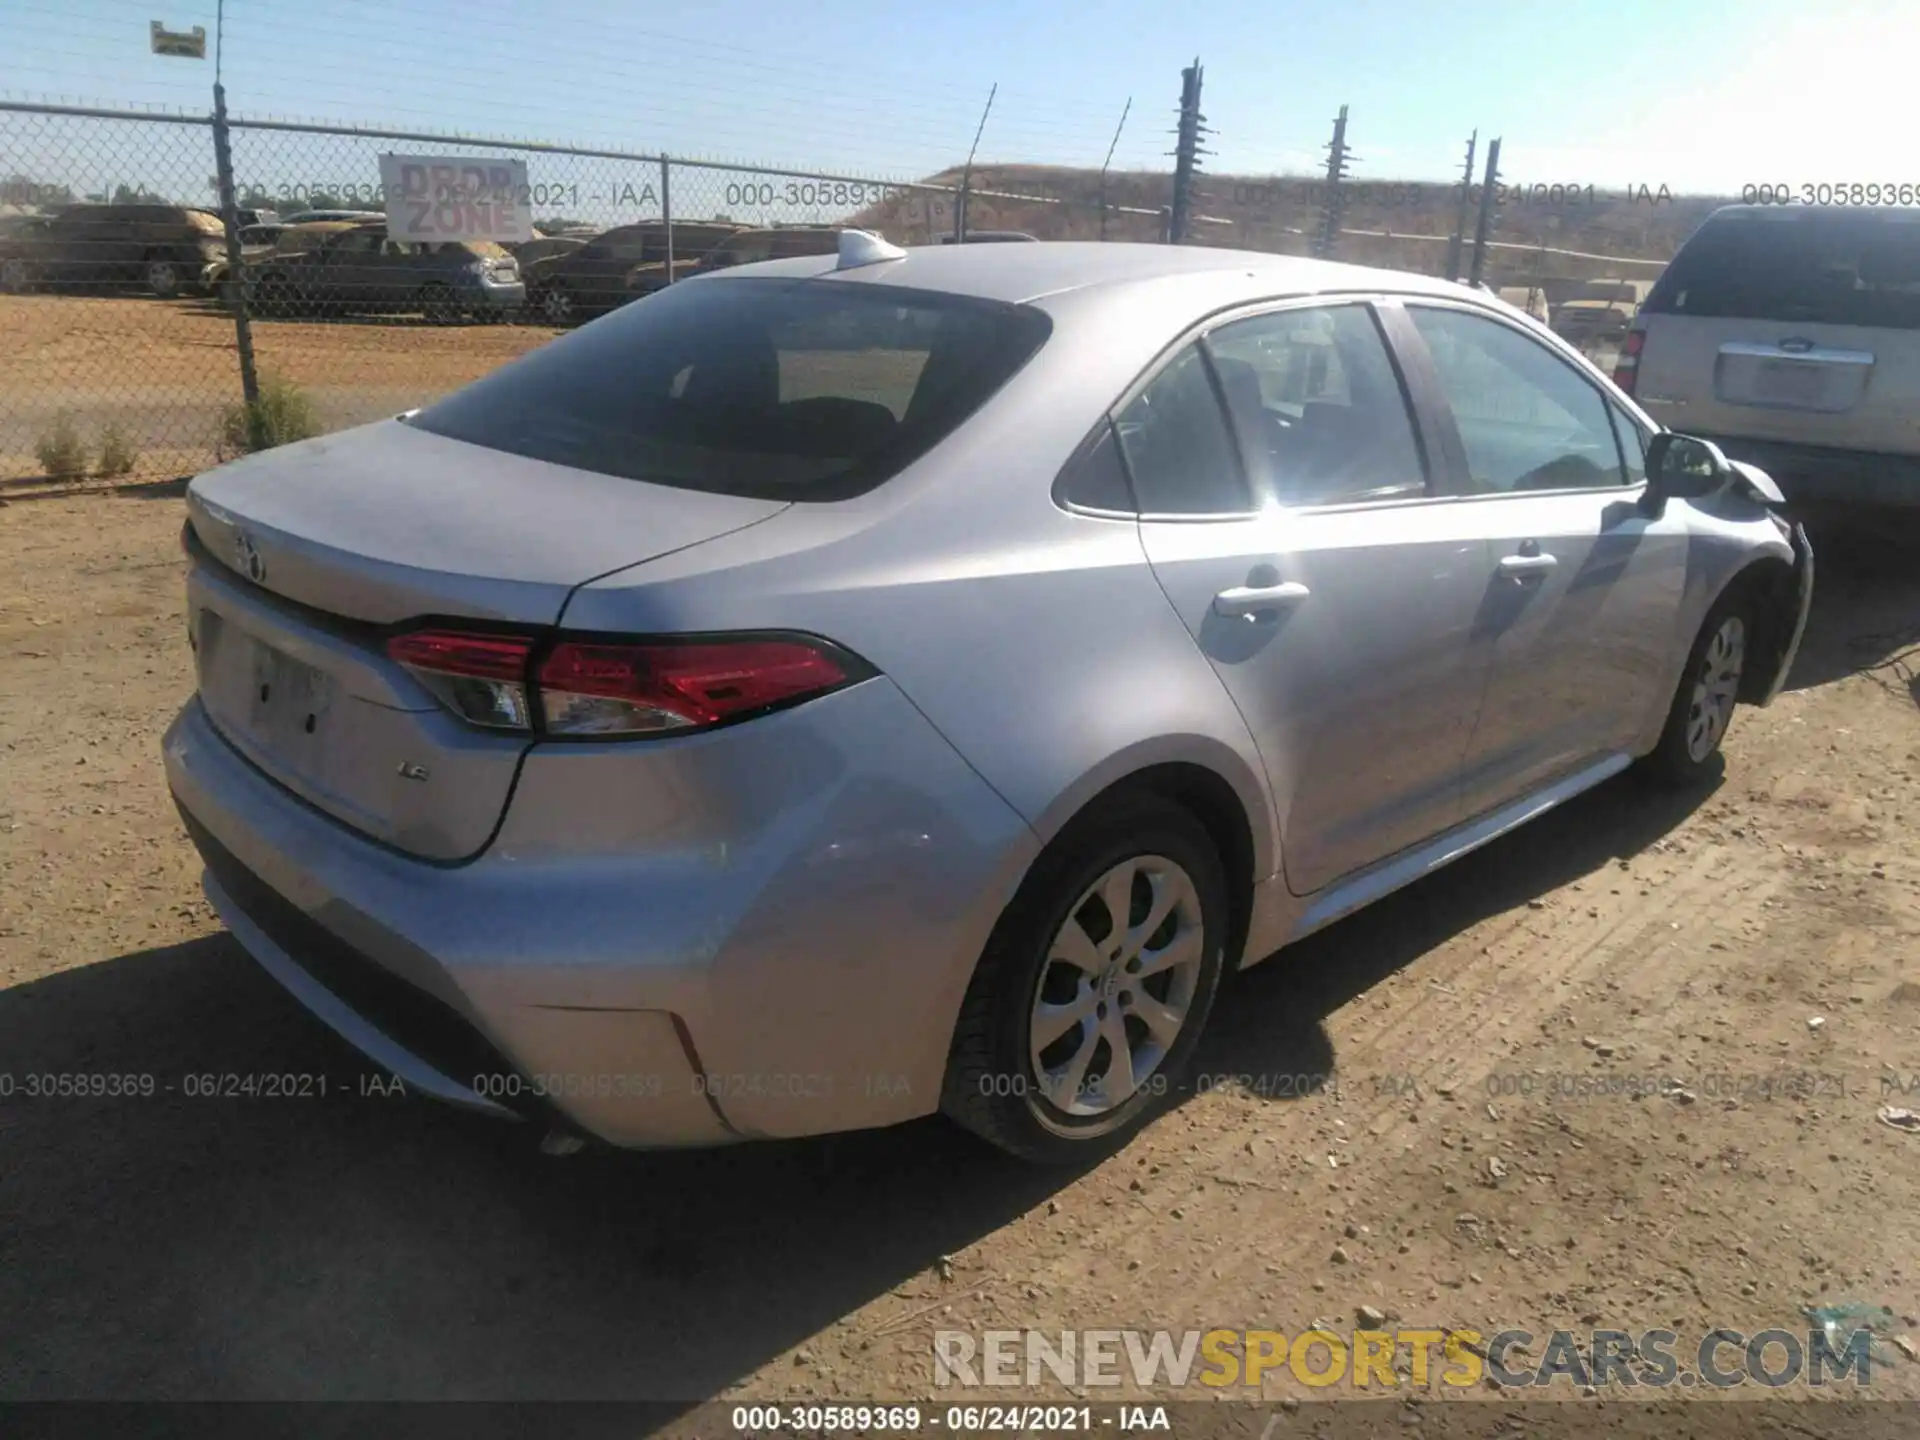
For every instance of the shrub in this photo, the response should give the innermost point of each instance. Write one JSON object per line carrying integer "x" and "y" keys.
{"x": 61, "y": 452}
{"x": 118, "y": 454}
{"x": 283, "y": 414}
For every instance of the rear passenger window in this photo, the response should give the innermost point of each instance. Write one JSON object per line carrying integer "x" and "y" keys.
{"x": 1317, "y": 406}
{"x": 1178, "y": 452}
{"x": 1094, "y": 478}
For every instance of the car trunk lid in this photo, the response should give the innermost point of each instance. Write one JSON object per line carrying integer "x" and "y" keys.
{"x": 306, "y": 558}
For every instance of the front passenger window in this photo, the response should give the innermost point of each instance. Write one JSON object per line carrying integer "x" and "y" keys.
{"x": 1174, "y": 437}
{"x": 1527, "y": 419}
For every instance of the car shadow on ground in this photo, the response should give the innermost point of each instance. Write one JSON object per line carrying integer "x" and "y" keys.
{"x": 1270, "y": 1021}
{"x": 355, "y": 1245}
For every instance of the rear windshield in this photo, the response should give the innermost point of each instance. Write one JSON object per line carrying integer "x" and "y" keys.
{"x": 771, "y": 388}
{"x": 1833, "y": 267}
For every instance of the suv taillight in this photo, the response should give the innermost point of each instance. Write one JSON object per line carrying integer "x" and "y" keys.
{"x": 579, "y": 686}
{"x": 1626, "y": 369}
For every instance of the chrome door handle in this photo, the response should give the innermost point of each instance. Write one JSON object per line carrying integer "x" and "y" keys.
{"x": 1526, "y": 564}
{"x": 1247, "y": 600}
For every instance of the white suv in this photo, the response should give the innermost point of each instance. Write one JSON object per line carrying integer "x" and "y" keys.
{"x": 1790, "y": 337}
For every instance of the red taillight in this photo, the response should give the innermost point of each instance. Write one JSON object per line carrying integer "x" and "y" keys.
{"x": 482, "y": 678}
{"x": 596, "y": 687}
{"x": 599, "y": 689}
{"x": 1627, "y": 368}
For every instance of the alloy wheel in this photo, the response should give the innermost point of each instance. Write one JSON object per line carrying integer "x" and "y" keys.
{"x": 162, "y": 278}
{"x": 557, "y": 306}
{"x": 1118, "y": 982}
{"x": 1716, "y": 686}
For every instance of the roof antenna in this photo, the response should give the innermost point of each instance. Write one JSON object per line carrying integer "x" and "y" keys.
{"x": 863, "y": 247}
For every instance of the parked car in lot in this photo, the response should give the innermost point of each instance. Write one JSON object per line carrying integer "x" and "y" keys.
{"x": 101, "y": 248}
{"x": 620, "y": 265}
{"x": 780, "y": 242}
{"x": 258, "y": 242}
{"x": 1791, "y": 337}
{"x": 1600, "y": 310}
{"x": 542, "y": 247}
{"x": 701, "y": 730}
{"x": 359, "y": 269}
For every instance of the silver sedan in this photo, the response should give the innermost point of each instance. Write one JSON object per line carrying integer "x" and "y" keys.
{"x": 833, "y": 691}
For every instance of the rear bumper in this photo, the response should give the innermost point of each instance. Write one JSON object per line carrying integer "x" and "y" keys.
{"x": 502, "y": 296}
{"x": 1821, "y": 473}
{"x": 797, "y": 975}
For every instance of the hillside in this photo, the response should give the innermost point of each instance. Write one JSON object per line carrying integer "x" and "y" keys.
{"x": 1280, "y": 213}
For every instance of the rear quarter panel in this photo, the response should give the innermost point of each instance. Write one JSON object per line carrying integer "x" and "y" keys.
{"x": 1037, "y": 641}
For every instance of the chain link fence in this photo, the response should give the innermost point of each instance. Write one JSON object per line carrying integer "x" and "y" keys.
{"x": 122, "y": 308}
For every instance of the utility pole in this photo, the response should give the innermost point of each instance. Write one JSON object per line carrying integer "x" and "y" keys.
{"x": 1486, "y": 212}
{"x": 1108, "y": 164}
{"x": 1333, "y": 206}
{"x": 1456, "y": 242}
{"x": 1186, "y": 154}
{"x": 966, "y": 175}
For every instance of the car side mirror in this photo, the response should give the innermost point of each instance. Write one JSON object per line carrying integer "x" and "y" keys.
{"x": 1683, "y": 467}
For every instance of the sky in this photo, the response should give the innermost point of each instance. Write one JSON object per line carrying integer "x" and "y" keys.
{"x": 1699, "y": 97}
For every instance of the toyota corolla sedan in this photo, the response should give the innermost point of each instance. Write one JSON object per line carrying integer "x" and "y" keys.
{"x": 833, "y": 691}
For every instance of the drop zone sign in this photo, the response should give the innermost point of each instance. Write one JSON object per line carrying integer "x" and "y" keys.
{"x": 455, "y": 197}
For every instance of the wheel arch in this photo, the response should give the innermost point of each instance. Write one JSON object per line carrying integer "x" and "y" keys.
{"x": 1205, "y": 778}
{"x": 1767, "y": 581}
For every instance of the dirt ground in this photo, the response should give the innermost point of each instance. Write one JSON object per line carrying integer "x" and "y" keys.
{"x": 1452, "y": 1175}
{"x": 164, "y": 371}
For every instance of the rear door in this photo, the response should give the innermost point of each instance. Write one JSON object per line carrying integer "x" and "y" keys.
{"x": 1579, "y": 598}
{"x": 347, "y": 271}
{"x": 1794, "y": 324}
{"x": 598, "y": 274}
{"x": 1334, "y": 599}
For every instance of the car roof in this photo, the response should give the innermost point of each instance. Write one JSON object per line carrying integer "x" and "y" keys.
{"x": 1023, "y": 273}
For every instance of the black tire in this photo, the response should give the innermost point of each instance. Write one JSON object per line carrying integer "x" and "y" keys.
{"x": 161, "y": 276}
{"x": 273, "y": 296}
{"x": 992, "y": 1087}
{"x": 1688, "y": 753}
{"x": 556, "y": 306}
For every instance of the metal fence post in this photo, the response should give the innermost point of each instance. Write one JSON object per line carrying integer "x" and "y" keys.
{"x": 666, "y": 209}
{"x": 1333, "y": 208}
{"x": 1458, "y": 238}
{"x": 1486, "y": 212}
{"x": 236, "y": 282}
{"x": 1186, "y": 153}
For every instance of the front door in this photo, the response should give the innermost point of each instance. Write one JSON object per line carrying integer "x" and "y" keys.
{"x": 1294, "y": 534}
{"x": 1583, "y": 586}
